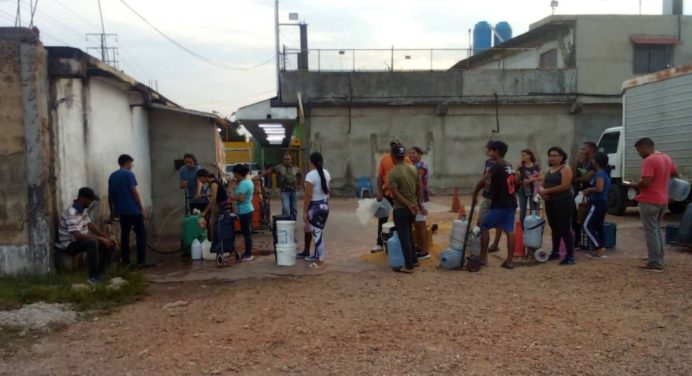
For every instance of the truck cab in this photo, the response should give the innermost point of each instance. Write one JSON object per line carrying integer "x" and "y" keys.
{"x": 612, "y": 143}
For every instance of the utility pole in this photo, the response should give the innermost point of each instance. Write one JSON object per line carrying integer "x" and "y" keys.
{"x": 109, "y": 55}
{"x": 278, "y": 52}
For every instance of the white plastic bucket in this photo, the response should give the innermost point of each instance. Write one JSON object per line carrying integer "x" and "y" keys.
{"x": 286, "y": 254}
{"x": 285, "y": 232}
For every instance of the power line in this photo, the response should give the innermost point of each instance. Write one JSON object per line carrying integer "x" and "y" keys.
{"x": 189, "y": 51}
{"x": 76, "y": 14}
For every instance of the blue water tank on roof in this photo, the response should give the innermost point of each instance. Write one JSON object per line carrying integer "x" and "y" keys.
{"x": 504, "y": 31}
{"x": 482, "y": 37}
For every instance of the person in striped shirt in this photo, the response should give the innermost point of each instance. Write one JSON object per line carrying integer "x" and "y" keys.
{"x": 76, "y": 234}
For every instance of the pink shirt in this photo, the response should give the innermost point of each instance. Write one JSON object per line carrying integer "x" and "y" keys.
{"x": 659, "y": 167}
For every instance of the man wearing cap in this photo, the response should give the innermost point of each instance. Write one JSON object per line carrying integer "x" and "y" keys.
{"x": 76, "y": 234}
{"x": 406, "y": 189}
{"x": 383, "y": 190}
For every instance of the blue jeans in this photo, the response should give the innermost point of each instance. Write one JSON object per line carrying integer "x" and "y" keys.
{"x": 246, "y": 229}
{"x": 129, "y": 222}
{"x": 288, "y": 204}
{"x": 523, "y": 198}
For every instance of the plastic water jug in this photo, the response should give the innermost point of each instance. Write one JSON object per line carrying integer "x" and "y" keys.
{"x": 533, "y": 231}
{"x": 678, "y": 189}
{"x": 196, "y": 250}
{"x": 450, "y": 259}
{"x": 456, "y": 238}
{"x": 394, "y": 252}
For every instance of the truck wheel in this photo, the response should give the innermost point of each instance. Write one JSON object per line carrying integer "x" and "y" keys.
{"x": 617, "y": 200}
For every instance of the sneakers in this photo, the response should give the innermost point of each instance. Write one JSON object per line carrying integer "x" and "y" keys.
{"x": 376, "y": 248}
{"x": 493, "y": 248}
{"x": 311, "y": 258}
{"x": 92, "y": 281}
{"x": 422, "y": 256}
{"x": 303, "y": 254}
{"x": 554, "y": 256}
{"x": 651, "y": 268}
{"x": 247, "y": 258}
{"x": 596, "y": 254}
{"x": 568, "y": 261}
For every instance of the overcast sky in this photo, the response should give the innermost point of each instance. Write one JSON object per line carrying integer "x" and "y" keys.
{"x": 240, "y": 34}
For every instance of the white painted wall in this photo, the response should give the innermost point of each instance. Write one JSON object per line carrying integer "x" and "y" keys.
{"x": 115, "y": 128}
{"x": 69, "y": 145}
{"x": 87, "y": 153}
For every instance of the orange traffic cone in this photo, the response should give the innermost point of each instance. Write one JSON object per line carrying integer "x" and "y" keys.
{"x": 518, "y": 240}
{"x": 462, "y": 212}
{"x": 456, "y": 203}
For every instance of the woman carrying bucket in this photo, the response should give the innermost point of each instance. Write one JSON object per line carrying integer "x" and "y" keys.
{"x": 316, "y": 206}
{"x": 559, "y": 203}
{"x": 415, "y": 154}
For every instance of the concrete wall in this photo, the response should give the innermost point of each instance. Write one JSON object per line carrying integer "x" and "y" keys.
{"x": 94, "y": 124}
{"x": 173, "y": 134}
{"x": 408, "y": 88}
{"x": 605, "y": 51}
{"x": 453, "y": 143}
{"x": 26, "y": 196}
{"x": 530, "y": 58}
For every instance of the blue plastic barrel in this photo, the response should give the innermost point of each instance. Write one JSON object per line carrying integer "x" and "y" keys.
{"x": 482, "y": 37}
{"x": 504, "y": 31}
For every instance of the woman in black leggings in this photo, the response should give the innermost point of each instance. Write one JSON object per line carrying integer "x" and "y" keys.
{"x": 559, "y": 203}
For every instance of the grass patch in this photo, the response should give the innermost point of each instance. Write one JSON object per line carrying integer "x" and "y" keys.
{"x": 57, "y": 288}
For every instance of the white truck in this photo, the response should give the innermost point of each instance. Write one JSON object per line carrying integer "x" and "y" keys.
{"x": 658, "y": 106}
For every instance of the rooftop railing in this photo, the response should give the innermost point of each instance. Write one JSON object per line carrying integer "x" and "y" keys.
{"x": 381, "y": 59}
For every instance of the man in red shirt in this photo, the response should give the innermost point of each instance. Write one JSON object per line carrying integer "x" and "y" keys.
{"x": 657, "y": 169}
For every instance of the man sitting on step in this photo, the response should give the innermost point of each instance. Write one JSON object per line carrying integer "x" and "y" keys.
{"x": 76, "y": 234}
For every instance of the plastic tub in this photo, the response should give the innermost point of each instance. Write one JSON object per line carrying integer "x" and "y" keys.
{"x": 285, "y": 232}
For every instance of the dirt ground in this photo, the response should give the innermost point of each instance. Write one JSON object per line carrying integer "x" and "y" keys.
{"x": 594, "y": 318}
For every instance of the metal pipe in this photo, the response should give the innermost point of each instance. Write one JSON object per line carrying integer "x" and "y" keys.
{"x": 278, "y": 52}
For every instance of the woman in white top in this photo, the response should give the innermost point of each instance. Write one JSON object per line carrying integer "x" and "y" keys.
{"x": 316, "y": 205}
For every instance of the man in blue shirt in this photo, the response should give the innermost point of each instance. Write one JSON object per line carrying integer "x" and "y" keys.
{"x": 126, "y": 204}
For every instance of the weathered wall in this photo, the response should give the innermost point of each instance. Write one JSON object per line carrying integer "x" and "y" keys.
{"x": 26, "y": 195}
{"x": 173, "y": 134}
{"x": 117, "y": 124}
{"x": 605, "y": 51}
{"x": 422, "y": 87}
{"x": 453, "y": 143}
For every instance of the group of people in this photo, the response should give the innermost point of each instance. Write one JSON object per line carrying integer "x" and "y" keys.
{"x": 77, "y": 233}
{"x": 402, "y": 179}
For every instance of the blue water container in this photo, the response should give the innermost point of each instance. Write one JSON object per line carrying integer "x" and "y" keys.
{"x": 503, "y": 33}
{"x": 610, "y": 234}
{"x": 482, "y": 37}
{"x": 394, "y": 252}
{"x": 450, "y": 259}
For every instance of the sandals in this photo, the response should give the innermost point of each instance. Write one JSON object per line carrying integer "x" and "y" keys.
{"x": 313, "y": 265}
{"x": 403, "y": 270}
{"x": 493, "y": 248}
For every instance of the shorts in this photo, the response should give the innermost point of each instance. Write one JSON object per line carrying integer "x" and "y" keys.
{"x": 500, "y": 218}
{"x": 483, "y": 209}
{"x": 421, "y": 217}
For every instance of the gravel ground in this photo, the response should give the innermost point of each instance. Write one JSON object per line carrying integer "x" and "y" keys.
{"x": 38, "y": 316}
{"x": 595, "y": 318}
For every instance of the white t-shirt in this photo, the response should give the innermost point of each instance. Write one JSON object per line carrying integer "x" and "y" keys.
{"x": 313, "y": 177}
